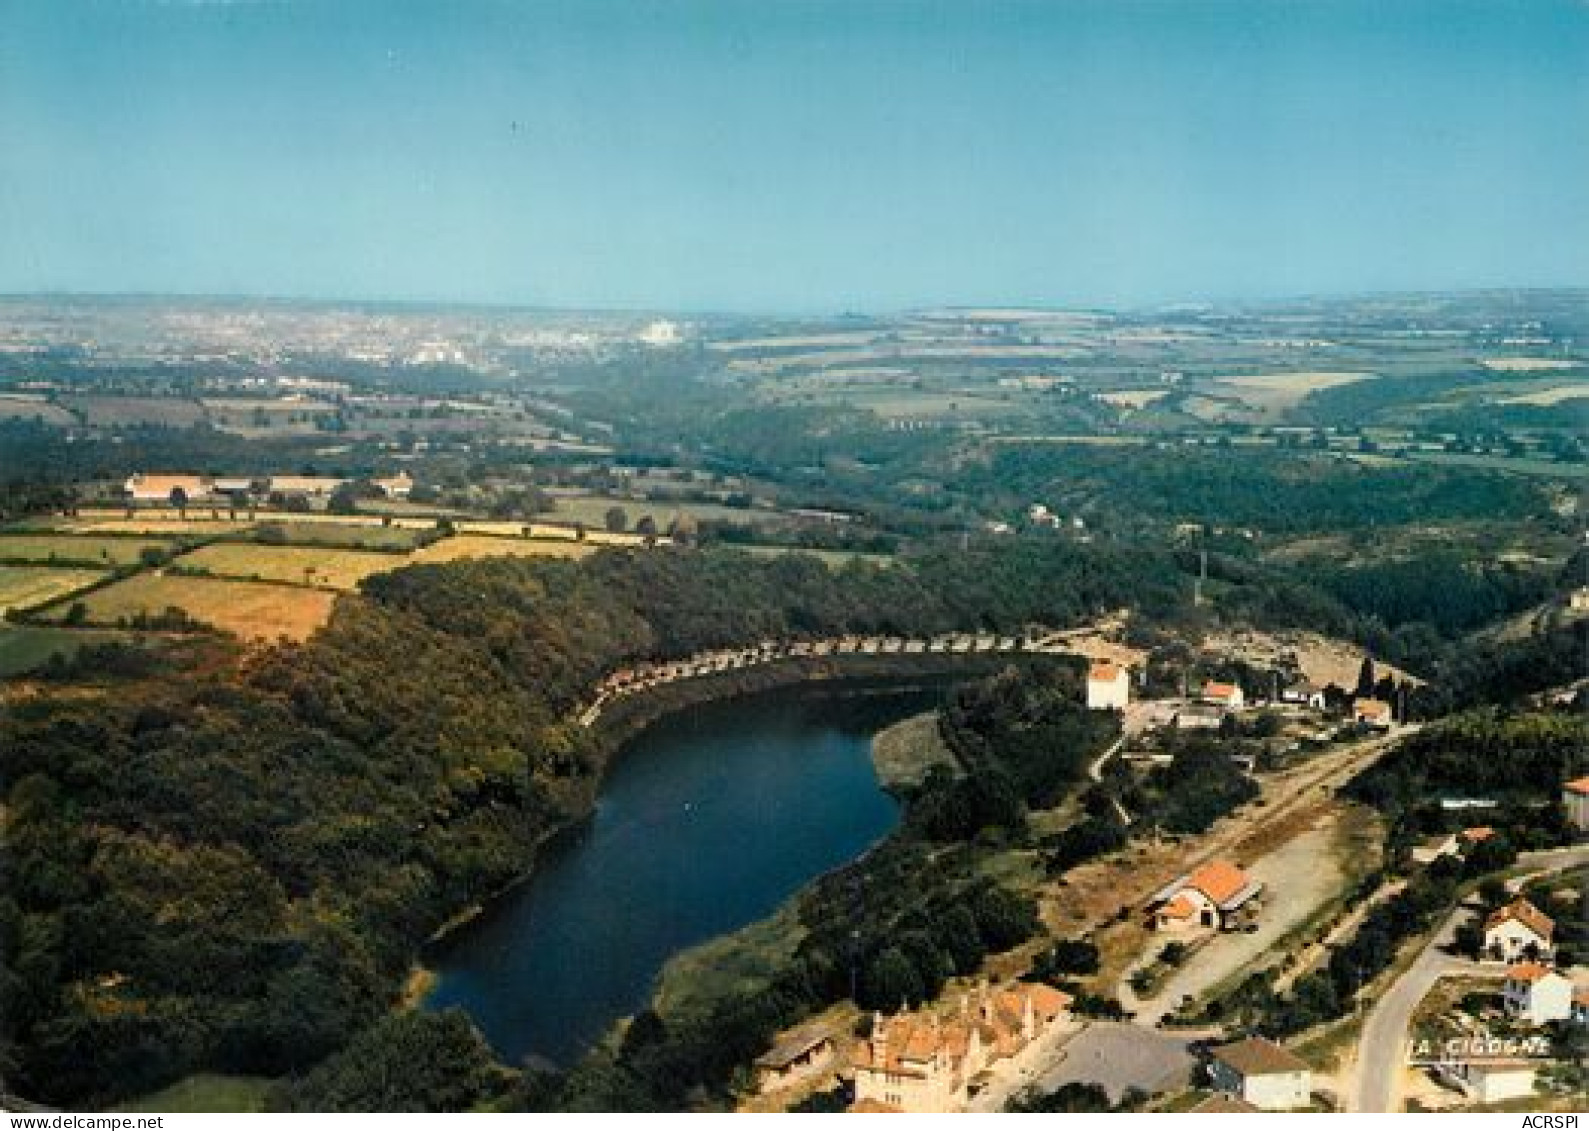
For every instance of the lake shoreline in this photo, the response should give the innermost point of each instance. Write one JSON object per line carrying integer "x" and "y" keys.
{"x": 858, "y": 676}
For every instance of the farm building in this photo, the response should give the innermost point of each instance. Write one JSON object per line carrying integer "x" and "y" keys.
{"x": 164, "y": 487}
{"x": 1216, "y": 895}
{"x": 800, "y": 1055}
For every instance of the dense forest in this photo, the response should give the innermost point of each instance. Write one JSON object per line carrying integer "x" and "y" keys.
{"x": 230, "y": 868}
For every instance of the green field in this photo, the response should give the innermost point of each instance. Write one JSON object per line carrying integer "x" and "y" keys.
{"x": 26, "y": 647}
{"x": 26, "y": 587}
{"x": 592, "y": 511}
{"x": 1544, "y": 467}
{"x": 321, "y": 566}
{"x": 206, "y": 1093}
{"x": 69, "y": 549}
{"x": 352, "y": 535}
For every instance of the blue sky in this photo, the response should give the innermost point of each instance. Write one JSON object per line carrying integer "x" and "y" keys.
{"x": 797, "y": 155}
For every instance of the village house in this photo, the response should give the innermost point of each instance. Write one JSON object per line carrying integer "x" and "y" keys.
{"x": 922, "y": 1062}
{"x": 1261, "y": 1073}
{"x": 1217, "y": 895}
{"x": 1575, "y": 799}
{"x": 801, "y": 1055}
{"x": 1490, "y": 1081}
{"x": 1108, "y": 687}
{"x": 1374, "y": 713}
{"x": 1537, "y": 994}
{"x": 162, "y": 488}
{"x": 1226, "y": 695}
{"x": 1518, "y": 932}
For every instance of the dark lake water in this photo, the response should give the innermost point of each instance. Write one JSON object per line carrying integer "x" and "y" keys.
{"x": 709, "y": 820}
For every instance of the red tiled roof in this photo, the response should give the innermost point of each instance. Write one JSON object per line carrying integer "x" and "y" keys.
{"x": 1179, "y": 908}
{"x": 1524, "y": 912}
{"x": 1526, "y": 972}
{"x": 1579, "y": 786}
{"x": 1220, "y": 880}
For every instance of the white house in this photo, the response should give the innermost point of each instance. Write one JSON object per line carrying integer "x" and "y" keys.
{"x": 1261, "y": 1073}
{"x": 1537, "y": 994}
{"x": 1575, "y": 799}
{"x": 1518, "y": 932}
{"x": 1226, "y": 695}
{"x": 1108, "y": 687}
{"x": 1491, "y": 1081}
{"x": 1214, "y": 895}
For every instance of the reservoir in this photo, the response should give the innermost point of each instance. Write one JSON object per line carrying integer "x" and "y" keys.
{"x": 708, "y": 820}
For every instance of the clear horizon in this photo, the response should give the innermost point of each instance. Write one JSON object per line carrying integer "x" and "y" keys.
{"x": 719, "y": 156}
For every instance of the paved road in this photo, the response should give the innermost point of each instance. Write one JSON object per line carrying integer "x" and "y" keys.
{"x": 1095, "y": 772}
{"x": 1375, "y": 1085}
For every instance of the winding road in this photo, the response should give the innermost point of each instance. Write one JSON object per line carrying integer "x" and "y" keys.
{"x": 1375, "y": 1084}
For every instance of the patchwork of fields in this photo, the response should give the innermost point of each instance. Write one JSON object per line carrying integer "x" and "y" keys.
{"x": 276, "y": 577}
{"x": 265, "y": 576}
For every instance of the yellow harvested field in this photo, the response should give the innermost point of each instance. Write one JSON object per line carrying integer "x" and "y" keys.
{"x": 322, "y": 566}
{"x": 25, "y": 587}
{"x": 252, "y": 610}
{"x": 1554, "y": 395}
{"x": 1278, "y": 391}
{"x": 485, "y": 546}
{"x": 1529, "y": 364}
{"x": 1134, "y": 398}
{"x": 553, "y": 532}
{"x": 198, "y": 523}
